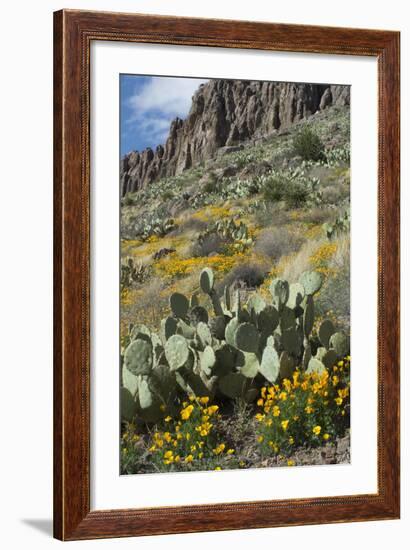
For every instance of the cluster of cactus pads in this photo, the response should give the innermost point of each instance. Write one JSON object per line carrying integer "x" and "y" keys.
{"x": 230, "y": 231}
{"x": 229, "y": 354}
{"x": 155, "y": 226}
{"x": 339, "y": 226}
{"x": 132, "y": 272}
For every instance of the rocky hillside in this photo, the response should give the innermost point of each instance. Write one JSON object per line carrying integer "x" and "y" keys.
{"x": 225, "y": 113}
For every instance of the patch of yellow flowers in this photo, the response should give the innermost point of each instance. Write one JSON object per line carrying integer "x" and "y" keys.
{"x": 320, "y": 259}
{"x": 304, "y": 410}
{"x": 189, "y": 441}
{"x": 173, "y": 266}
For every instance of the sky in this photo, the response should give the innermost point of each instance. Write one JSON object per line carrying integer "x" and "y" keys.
{"x": 148, "y": 105}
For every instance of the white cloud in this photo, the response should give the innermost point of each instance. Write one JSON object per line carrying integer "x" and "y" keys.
{"x": 158, "y": 102}
{"x": 170, "y": 96}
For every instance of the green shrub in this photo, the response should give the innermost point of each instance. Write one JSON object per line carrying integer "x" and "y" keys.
{"x": 211, "y": 186}
{"x": 308, "y": 145}
{"x": 274, "y": 188}
{"x": 127, "y": 200}
{"x": 292, "y": 192}
{"x": 296, "y": 195}
{"x": 167, "y": 195}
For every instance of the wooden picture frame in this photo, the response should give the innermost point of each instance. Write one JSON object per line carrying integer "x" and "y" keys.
{"x": 74, "y": 32}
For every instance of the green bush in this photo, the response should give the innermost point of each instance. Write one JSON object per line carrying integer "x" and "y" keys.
{"x": 308, "y": 145}
{"x": 211, "y": 186}
{"x": 292, "y": 192}
{"x": 127, "y": 200}
{"x": 274, "y": 188}
{"x": 296, "y": 195}
{"x": 167, "y": 195}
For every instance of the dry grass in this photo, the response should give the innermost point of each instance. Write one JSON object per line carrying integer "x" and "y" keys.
{"x": 276, "y": 242}
{"x": 317, "y": 215}
{"x": 341, "y": 258}
{"x": 146, "y": 305}
{"x": 300, "y": 262}
{"x": 335, "y": 193}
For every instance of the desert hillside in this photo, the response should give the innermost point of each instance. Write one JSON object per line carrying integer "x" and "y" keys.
{"x": 235, "y": 283}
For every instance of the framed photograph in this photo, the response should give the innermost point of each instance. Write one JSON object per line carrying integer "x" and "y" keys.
{"x": 226, "y": 288}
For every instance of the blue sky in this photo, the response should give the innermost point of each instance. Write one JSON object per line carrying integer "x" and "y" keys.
{"x": 148, "y": 105}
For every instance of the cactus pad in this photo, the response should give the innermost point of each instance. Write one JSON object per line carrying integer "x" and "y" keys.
{"x": 179, "y": 305}
{"x": 292, "y": 341}
{"x": 268, "y": 319}
{"x": 247, "y": 338}
{"x": 286, "y": 365}
{"x": 269, "y": 367}
{"x": 129, "y": 381}
{"x": 326, "y": 330}
{"x": 204, "y": 334}
{"x": 168, "y": 327}
{"x": 340, "y": 343}
{"x": 230, "y": 330}
{"x": 207, "y": 360}
{"x": 315, "y": 366}
{"x": 138, "y": 357}
{"x": 248, "y": 364}
{"x": 296, "y": 295}
{"x": 256, "y": 304}
{"x": 287, "y": 319}
{"x": 280, "y": 292}
{"x": 233, "y": 385}
{"x": 311, "y": 281}
{"x": 308, "y": 315}
{"x": 206, "y": 280}
{"x": 176, "y": 351}
{"x": 129, "y": 407}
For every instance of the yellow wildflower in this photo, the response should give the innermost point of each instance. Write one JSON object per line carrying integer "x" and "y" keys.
{"x": 219, "y": 449}
{"x": 189, "y": 458}
{"x": 186, "y": 413}
{"x": 316, "y": 430}
{"x": 284, "y": 424}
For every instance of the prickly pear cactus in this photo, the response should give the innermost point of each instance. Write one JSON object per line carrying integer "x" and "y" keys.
{"x": 229, "y": 352}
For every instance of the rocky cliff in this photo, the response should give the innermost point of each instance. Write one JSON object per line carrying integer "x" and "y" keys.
{"x": 225, "y": 113}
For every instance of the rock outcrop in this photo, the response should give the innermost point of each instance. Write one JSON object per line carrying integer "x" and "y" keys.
{"x": 225, "y": 113}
